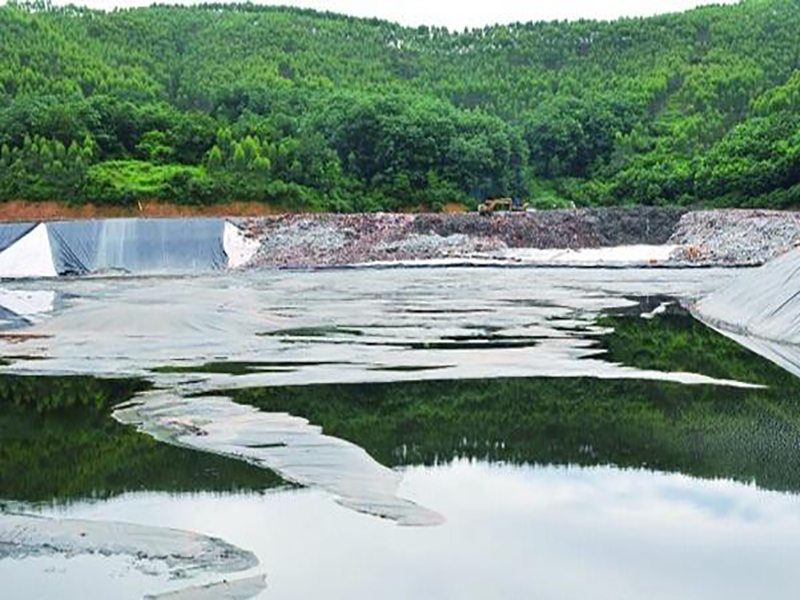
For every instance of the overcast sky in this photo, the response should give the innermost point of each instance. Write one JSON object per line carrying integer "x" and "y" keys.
{"x": 457, "y": 14}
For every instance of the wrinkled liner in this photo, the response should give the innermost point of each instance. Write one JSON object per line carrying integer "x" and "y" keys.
{"x": 134, "y": 246}
{"x": 764, "y": 302}
{"x": 137, "y": 245}
{"x": 184, "y": 552}
{"x": 240, "y": 589}
{"x": 288, "y": 445}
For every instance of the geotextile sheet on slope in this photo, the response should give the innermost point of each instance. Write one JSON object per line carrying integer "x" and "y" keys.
{"x": 764, "y": 302}
{"x": 760, "y": 310}
{"x": 137, "y": 245}
{"x": 10, "y": 233}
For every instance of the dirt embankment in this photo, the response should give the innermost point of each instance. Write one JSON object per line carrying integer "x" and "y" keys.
{"x": 21, "y": 210}
{"x": 583, "y": 228}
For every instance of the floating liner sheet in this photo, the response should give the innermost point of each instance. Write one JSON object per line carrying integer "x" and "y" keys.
{"x": 137, "y": 246}
{"x": 185, "y": 554}
{"x": 288, "y": 445}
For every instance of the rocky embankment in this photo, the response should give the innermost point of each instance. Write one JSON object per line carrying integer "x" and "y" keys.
{"x": 702, "y": 238}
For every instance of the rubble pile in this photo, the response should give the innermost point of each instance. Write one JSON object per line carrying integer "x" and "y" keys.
{"x": 735, "y": 237}
{"x": 298, "y": 240}
{"x": 701, "y": 238}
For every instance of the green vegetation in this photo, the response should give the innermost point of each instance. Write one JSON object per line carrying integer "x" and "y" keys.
{"x": 676, "y": 342}
{"x": 58, "y": 443}
{"x": 321, "y": 111}
{"x": 750, "y": 435}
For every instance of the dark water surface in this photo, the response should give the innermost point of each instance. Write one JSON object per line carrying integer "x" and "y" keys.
{"x": 551, "y": 486}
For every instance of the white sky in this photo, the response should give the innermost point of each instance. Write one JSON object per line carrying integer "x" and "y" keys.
{"x": 457, "y": 14}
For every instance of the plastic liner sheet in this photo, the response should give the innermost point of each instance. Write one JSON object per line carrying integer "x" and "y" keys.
{"x": 764, "y": 303}
{"x": 30, "y": 256}
{"x": 288, "y": 445}
{"x": 20, "y": 308}
{"x": 239, "y": 589}
{"x": 23, "y": 536}
{"x": 786, "y": 356}
{"x": 138, "y": 246}
{"x": 10, "y": 233}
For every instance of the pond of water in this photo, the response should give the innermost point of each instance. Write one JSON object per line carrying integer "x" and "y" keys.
{"x": 541, "y": 433}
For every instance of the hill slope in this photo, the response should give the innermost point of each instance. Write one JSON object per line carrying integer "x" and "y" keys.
{"x": 324, "y": 111}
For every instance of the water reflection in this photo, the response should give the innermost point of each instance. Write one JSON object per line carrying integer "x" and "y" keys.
{"x": 552, "y": 487}
{"x": 58, "y": 444}
{"x": 747, "y": 434}
{"x": 512, "y": 532}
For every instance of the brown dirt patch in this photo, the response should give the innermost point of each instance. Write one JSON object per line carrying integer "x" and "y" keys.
{"x": 22, "y": 210}
{"x": 455, "y": 207}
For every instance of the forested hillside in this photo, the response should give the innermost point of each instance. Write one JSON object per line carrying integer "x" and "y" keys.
{"x": 321, "y": 111}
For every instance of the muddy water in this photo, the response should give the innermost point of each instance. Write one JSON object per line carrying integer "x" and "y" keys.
{"x": 575, "y": 432}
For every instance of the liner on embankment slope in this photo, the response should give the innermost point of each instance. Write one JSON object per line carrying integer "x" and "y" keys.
{"x": 761, "y": 310}
{"x": 138, "y": 246}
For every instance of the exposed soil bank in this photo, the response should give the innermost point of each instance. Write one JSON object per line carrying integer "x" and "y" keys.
{"x": 24, "y": 210}
{"x": 21, "y": 210}
{"x": 587, "y": 228}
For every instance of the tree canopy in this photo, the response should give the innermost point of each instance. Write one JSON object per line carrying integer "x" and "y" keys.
{"x": 322, "y": 111}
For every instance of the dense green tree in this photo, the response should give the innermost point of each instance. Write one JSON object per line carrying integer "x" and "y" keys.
{"x": 317, "y": 110}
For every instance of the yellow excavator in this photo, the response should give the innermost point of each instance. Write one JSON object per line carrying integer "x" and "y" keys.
{"x": 502, "y": 205}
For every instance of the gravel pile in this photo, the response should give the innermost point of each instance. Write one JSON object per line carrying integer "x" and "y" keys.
{"x": 302, "y": 242}
{"x": 735, "y": 237}
{"x": 459, "y": 244}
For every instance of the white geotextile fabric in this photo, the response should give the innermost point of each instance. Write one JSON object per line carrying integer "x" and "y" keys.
{"x": 763, "y": 302}
{"x": 28, "y": 304}
{"x": 238, "y": 247}
{"x": 30, "y": 256}
{"x": 635, "y": 255}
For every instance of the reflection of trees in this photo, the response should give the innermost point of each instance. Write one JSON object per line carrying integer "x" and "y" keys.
{"x": 707, "y": 431}
{"x": 677, "y": 342}
{"x": 58, "y": 442}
